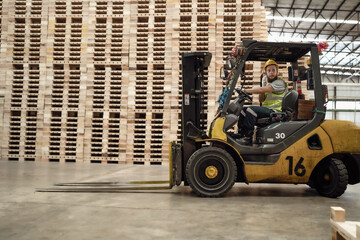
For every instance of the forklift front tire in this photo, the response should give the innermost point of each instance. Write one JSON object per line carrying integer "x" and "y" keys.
{"x": 211, "y": 172}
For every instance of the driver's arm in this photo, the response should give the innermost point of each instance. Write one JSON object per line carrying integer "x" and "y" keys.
{"x": 261, "y": 97}
{"x": 259, "y": 90}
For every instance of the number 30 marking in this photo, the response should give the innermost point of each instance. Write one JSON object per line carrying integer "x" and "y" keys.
{"x": 279, "y": 135}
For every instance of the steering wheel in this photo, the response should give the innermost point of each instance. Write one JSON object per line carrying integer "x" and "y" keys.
{"x": 240, "y": 91}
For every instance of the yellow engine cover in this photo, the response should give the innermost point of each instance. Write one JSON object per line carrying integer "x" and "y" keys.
{"x": 345, "y": 135}
{"x": 295, "y": 164}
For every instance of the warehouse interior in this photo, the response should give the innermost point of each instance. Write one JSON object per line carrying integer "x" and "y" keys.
{"x": 91, "y": 91}
{"x": 337, "y": 24}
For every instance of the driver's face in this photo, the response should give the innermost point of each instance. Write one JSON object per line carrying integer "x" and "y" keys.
{"x": 271, "y": 72}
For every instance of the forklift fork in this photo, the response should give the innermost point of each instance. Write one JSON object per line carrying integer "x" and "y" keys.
{"x": 118, "y": 186}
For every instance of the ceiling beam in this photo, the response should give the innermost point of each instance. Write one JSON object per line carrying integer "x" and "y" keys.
{"x": 353, "y": 51}
{"x": 341, "y": 38}
{"x": 340, "y": 35}
{"x": 322, "y": 9}
{"x": 311, "y": 9}
{"x": 273, "y": 12}
{"x": 350, "y": 61}
{"x": 337, "y": 84}
{"x": 346, "y": 18}
{"x": 334, "y": 13}
{"x": 303, "y": 15}
{"x": 291, "y": 8}
{"x": 286, "y": 21}
{"x": 314, "y": 29}
{"x": 336, "y": 68}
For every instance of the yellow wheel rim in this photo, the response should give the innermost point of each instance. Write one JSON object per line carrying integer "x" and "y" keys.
{"x": 211, "y": 172}
{"x": 327, "y": 177}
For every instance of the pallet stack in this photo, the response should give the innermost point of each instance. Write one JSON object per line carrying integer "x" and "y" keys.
{"x": 23, "y": 67}
{"x": 100, "y": 81}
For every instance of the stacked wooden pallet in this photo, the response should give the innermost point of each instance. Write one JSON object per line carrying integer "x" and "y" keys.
{"x": 341, "y": 229}
{"x": 100, "y": 81}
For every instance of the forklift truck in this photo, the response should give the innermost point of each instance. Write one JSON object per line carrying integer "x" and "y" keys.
{"x": 325, "y": 154}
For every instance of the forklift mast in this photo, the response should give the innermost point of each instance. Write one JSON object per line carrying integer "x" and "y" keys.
{"x": 193, "y": 105}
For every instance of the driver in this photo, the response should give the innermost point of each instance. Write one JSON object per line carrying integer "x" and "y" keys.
{"x": 273, "y": 94}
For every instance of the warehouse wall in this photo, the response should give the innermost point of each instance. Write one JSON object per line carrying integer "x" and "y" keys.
{"x": 344, "y": 103}
{"x": 100, "y": 81}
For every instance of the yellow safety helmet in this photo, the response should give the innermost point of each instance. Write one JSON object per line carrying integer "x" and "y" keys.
{"x": 270, "y": 62}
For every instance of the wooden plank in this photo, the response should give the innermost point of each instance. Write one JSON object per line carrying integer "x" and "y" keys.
{"x": 91, "y": 58}
{"x": 342, "y": 229}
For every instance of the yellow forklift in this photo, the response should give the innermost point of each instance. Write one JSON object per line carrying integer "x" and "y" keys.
{"x": 325, "y": 154}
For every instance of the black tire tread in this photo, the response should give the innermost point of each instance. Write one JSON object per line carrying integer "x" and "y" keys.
{"x": 193, "y": 158}
{"x": 343, "y": 179}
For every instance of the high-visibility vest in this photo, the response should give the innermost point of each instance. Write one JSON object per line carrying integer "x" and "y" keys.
{"x": 274, "y": 101}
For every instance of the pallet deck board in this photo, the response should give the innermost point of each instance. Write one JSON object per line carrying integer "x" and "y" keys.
{"x": 342, "y": 229}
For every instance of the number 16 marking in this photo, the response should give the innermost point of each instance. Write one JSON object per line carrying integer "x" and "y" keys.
{"x": 299, "y": 168}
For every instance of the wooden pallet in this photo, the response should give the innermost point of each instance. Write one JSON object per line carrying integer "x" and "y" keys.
{"x": 341, "y": 229}
{"x": 82, "y": 66}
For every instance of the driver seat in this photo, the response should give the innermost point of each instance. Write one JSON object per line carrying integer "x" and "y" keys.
{"x": 288, "y": 106}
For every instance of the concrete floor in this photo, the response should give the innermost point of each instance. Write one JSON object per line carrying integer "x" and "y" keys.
{"x": 257, "y": 211}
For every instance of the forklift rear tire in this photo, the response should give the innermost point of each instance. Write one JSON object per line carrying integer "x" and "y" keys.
{"x": 332, "y": 178}
{"x": 211, "y": 172}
